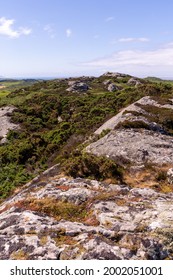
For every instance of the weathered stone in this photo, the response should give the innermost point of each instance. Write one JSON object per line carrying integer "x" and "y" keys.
{"x": 112, "y": 87}
{"x": 134, "y": 82}
{"x": 114, "y": 74}
{"x": 6, "y": 123}
{"x": 136, "y": 146}
{"x": 130, "y": 217}
{"x": 77, "y": 86}
{"x": 107, "y": 82}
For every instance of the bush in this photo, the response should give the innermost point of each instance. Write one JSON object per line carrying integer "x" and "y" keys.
{"x": 89, "y": 166}
{"x": 132, "y": 124}
{"x": 161, "y": 176}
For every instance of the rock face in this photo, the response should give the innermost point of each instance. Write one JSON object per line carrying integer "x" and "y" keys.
{"x": 128, "y": 113}
{"x": 6, "y": 124}
{"x": 136, "y": 146}
{"x": 113, "y": 222}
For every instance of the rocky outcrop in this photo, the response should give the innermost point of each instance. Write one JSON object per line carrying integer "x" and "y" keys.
{"x": 135, "y": 146}
{"x": 112, "y": 87}
{"x": 112, "y": 222}
{"x": 129, "y": 113}
{"x": 147, "y": 142}
{"x": 115, "y": 75}
{"x": 77, "y": 86}
{"x": 134, "y": 82}
{"x": 6, "y": 123}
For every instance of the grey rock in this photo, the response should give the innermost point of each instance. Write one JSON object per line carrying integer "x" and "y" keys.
{"x": 114, "y": 74}
{"x": 6, "y": 124}
{"x": 135, "y": 225}
{"x": 107, "y": 82}
{"x": 122, "y": 116}
{"x": 134, "y": 82}
{"x": 112, "y": 87}
{"x": 77, "y": 86}
{"x": 135, "y": 146}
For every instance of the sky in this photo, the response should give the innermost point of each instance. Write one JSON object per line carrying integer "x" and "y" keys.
{"x": 62, "y": 38}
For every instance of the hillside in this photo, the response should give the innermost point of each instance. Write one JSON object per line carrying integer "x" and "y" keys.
{"x": 107, "y": 194}
{"x": 53, "y": 117}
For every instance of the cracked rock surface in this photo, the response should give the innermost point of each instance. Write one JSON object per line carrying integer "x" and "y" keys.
{"x": 119, "y": 222}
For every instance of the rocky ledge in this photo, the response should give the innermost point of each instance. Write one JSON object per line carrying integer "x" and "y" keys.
{"x": 134, "y": 137}
{"x": 64, "y": 218}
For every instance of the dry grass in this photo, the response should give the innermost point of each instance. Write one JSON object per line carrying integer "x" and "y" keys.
{"x": 56, "y": 209}
{"x": 91, "y": 221}
{"x": 149, "y": 177}
{"x": 64, "y": 239}
{"x": 43, "y": 240}
{"x": 19, "y": 255}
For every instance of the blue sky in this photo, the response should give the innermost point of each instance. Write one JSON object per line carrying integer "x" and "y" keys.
{"x": 57, "y": 38}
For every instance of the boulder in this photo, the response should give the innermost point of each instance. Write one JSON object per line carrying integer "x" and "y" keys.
{"x": 112, "y": 87}
{"x": 6, "y": 124}
{"x": 77, "y": 86}
{"x": 107, "y": 82}
{"x": 133, "y": 82}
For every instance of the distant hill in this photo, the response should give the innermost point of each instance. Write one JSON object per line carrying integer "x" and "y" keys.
{"x": 155, "y": 79}
{"x": 8, "y": 85}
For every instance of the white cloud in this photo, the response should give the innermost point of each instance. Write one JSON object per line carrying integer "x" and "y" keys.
{"x": 137, "y": 61}
{"x": 109, "y": 19}
{"x": 6, "y": 29}
{"x": 131, "y": 39}
{"x": 49, "y": 29}
{"x": 68, "y": 32}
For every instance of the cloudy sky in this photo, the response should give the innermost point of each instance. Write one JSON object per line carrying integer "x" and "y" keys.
{"x": 57, "y": 38}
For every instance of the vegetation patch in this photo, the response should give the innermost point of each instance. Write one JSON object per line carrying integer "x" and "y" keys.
{"x": 86, "y": 165}
{"x": 56, "y": 209}
{"x": 19, "y": 255}
{"x": 162, "y": 116}
{"x": 132, "y": 124}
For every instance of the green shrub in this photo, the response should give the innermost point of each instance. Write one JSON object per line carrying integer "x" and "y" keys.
{"x": 89, "y": 166}
{"x": 161, "y": 176}
{"x": 132, "y": 124}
